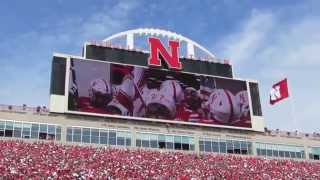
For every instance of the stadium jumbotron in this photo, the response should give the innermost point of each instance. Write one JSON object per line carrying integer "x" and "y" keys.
{"x": 169, "y": 110}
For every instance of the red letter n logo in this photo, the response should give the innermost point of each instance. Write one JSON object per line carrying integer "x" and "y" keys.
{"x": 172, "y": 59}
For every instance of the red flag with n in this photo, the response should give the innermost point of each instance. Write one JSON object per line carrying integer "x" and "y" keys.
{"x": 279, "y": 91}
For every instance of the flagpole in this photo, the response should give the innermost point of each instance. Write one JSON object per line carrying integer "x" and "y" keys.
{"x": 292, "y": 108}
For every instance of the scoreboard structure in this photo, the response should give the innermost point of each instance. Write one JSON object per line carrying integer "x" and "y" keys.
{"x": 164, "y": 83}
{"x": 173, "y": 94}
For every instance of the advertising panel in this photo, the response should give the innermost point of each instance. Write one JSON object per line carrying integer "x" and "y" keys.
{"x": 105, "y": 88}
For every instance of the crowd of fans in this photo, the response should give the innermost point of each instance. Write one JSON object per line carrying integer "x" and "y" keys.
{"x": 38, "y": 160}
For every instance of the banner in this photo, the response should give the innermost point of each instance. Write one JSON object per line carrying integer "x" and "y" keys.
{"x": 279, "y": 91}
{"x": 134, "y": 91}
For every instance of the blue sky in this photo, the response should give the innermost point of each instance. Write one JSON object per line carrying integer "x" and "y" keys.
{"x": 264, "y": 40}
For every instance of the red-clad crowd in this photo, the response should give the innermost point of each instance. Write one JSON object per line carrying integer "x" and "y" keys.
{"x": 39, "y": 160}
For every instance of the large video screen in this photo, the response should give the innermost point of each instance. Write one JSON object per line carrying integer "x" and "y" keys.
{"x": 154, "y": 94}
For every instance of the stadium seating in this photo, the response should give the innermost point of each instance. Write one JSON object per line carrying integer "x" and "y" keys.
{"x": 22, "y": 160}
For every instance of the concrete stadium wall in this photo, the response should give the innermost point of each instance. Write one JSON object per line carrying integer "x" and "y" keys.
{"x": 68, "y": 120}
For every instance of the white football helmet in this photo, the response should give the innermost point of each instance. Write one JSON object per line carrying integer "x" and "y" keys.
{"x": 127, "y": 87}
{"x": 122, "y": 102}
{"x": 162, "y": 103}
{"x": 160, "y": 106}
{"x": 222, "y": 106}
{"x": 172, "y": 89}
{"x": 115, "y": 107}
{"x": 242, "y": 101}
{"x": 100, "y": 92}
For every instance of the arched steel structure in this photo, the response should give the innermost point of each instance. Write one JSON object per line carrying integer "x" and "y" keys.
{"x": 129, "y": 35}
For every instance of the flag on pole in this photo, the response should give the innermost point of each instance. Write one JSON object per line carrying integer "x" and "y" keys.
{"x": 279, "y": 91}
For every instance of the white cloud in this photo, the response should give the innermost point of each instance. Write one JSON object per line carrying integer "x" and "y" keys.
{"x": 110, "y": 20}
{"x": 267, "y": 49}
{"x": 297, "y": 44}
{"x": 25, "y": 59}
{"x": 239, "y": 46}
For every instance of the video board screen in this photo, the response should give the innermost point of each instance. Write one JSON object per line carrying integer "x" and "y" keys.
{"x": 106, "y": 88}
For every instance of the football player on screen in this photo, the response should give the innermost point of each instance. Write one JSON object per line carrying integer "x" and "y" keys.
{"x": 123, "y": 90}
{"x": 222, "y": 108}
{"x": 145, "y": 83}
{"x": 161, "y": 104}
{"x": 100, "y": 94}
{"x": 242, "y": 101}
{"x": 190, "y": 109}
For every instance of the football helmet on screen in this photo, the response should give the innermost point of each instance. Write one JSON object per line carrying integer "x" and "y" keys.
{"x": 192, "y": 98}
{"x": 172, "y": 89}
{"x": 160, "y": 106}
{"x": 100, "y": 92}
{"x": 222, "y": 106}
{"x": 122, "y": 102}
{"x": 242, "y": 101}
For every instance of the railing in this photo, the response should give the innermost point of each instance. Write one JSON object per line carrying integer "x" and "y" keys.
{"x": 268, "y": 132}
{"x": 291, "y": 134}
{"x": 23, "y": 109}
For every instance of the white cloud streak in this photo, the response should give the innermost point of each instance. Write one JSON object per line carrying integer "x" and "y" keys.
{"x": 26, "y": 59}
{"x": 241, "y": 45}
{"x": 267, "y": 49}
